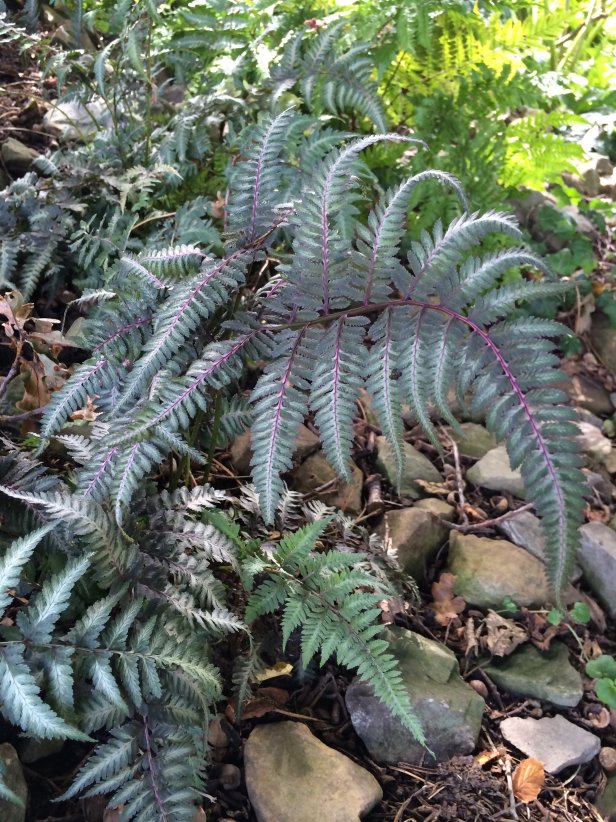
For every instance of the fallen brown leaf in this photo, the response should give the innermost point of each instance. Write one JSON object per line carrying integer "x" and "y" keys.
{"x": 264, "y": 702}
{"x": 446, "y": 606}
{"x": 438, "y": 488}
{"x": 503, "y": 635}
{"x": 487, "y": 756}
{"x": 528, "y": 779}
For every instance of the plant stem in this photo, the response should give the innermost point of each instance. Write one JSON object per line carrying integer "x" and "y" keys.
{"x": 213, "y": 436}
{"x": 148, "y": 96}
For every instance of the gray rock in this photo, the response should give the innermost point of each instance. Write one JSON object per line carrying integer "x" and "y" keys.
{"x": 436, "y": 506}
{"x": 448, "y": 709}
{"x": 416, "y": 536}
{"x": 604, "y": 167}
{"x": 606, "y": 801}
{"x": 555, "y": 742}
{"x": 417, "y": 467}
{"x": 12, "y": 776}
{"x": 476, "y": 440}
{"x": 306, "y": 443}
{"x": 487, "y": 570}
{"x": 582, "y": 223}
{"x": 315, "y": 472}
{"x": 526, "y": 210}
{"x": 73, "y": 120}
{"x": 597, "y": 482}
{"x": 31, "y": 750}
{"x": 17, "y": 157}
{"x": 610, "y": 462}
{"x": 291, "y": 776}
{"x": 593, "y": 442}
{"x": 544, "y": 675}
{"x": 603, "y": 340}
{"x": 494, "y": 472}
{"x": 597, "y": 556}
{"x": 525, "y": 529}
{"x": 589, "y": 394}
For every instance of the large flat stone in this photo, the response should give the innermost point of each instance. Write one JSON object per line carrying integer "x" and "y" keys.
{"x": 448, "y": 709}
{"x": 597, "y": 556}
{"x": 476, "y": 441}
{"x": 494, "y": 472}
{"x": 416, "y": 536}
{"x": 315, "y": 472}
{"x": 525, "y": 529}
{"x": 416, "y": 467}
{"x": 13, "y": 777}
{"x": 544, "y": 675}
{"x": 291, "y": 776}
{"x": 488, "y": 570}
{"x": 554, "y": 741}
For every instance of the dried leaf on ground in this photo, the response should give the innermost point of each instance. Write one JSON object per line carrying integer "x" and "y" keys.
{"x": 540, "y": 630}
{"x": 504, "y": 635}
{"x": 472, "y": 645}
{"x": 446, "y": 606}
{"x": 390, "y": 609}
{"x": 487, "y": 756}
{"x": 264, "y": 702}
{"x": 279, "y": 669}
{"x": 438, "y": 488}
{"x": 528, "y": 779}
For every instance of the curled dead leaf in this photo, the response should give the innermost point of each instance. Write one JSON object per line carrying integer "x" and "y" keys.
{"x": 503, "y": 634}
{"x": 528, "y": 779}
{"x": 446, "y": 606}
{"x": 440, "y": 489}
{"x": 264, "y": 702}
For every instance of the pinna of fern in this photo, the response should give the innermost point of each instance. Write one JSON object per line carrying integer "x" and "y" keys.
{"x": 351, "y": 313}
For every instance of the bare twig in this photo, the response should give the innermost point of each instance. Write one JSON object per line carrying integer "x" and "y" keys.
{"x": 488, "y": 523}
{"x": 10, "y": 375}
{"x": 459, "y": 481}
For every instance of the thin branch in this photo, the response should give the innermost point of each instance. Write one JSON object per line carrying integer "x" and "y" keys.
{"x": 488, "y": 523}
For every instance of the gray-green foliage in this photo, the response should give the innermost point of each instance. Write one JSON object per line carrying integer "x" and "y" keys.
{"x": 131, "y": 657}
{"x": 345, "y": 311}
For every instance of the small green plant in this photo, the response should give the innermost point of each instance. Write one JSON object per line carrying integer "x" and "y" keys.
{"x": 579, "y": 613}
{"x": 603, "y": 671}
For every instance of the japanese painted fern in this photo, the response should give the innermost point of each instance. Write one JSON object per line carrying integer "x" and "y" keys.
{"x": 170, "y": 354}
{"x": 339, "y": 314}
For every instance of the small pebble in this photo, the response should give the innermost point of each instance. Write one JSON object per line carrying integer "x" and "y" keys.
{"x": 230, "y": 777}
{"x": 607, "y": 759}
{"x": 480, "y": 687}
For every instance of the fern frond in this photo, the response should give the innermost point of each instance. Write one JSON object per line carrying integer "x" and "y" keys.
{"x": 86, "y": 381}
{"x": 21, "y": 701}
{"x": 252, "y": 207}
{"x": 336, "y": 382}
{"x": 13, "y": 560}
{"x": 189, "y": 305}
{"x": 337, "y": 613}
{"x": 280, "y": 403}
{"x": 36, "y": 623}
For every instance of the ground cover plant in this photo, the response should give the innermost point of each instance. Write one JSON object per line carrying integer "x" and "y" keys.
{"x": 266, "y": 252}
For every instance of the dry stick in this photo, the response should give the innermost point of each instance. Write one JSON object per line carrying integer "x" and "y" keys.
{"x": 24, "y": 416}
{"x": 459, "y": 481}
{"x": 10, "y": 375}
{"x": 488, "y": 523}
